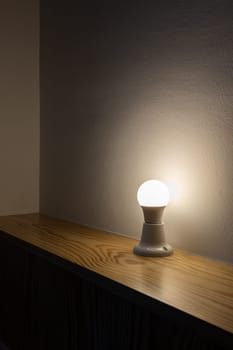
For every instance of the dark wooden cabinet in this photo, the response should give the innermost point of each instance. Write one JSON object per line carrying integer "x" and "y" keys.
{"x": 47, "y": 302}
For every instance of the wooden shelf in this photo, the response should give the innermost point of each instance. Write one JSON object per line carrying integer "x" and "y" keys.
{"x": 195, "y": 285}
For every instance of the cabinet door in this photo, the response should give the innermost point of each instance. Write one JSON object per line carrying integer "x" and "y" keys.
{"x": 14, "y": 271}
{"x": 50, "y": 302}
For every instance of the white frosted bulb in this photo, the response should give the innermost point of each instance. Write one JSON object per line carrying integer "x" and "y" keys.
{"x": 153, "y": 193}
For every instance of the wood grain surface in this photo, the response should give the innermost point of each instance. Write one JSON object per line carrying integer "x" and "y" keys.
{"x": 200, "y": 287}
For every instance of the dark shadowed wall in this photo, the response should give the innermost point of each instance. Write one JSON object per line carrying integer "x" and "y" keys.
{"x": 138, "y": 90}
{"x": 19, "y": 106}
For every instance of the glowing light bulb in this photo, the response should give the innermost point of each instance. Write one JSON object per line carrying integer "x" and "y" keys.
{"x": 153, "y": 196}
{"x": 153, "y": 193}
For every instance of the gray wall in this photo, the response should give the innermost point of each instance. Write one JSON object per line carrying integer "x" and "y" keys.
{"x": 138, "y": 90}
{"x": 19, "y": 106}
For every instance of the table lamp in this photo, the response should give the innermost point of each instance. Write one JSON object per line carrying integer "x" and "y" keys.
{"x": 153, "y": 197}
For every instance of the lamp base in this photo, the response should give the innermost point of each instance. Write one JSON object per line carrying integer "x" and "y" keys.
{"x": 163, "y": 250}
{"x": 153, "y": 241}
